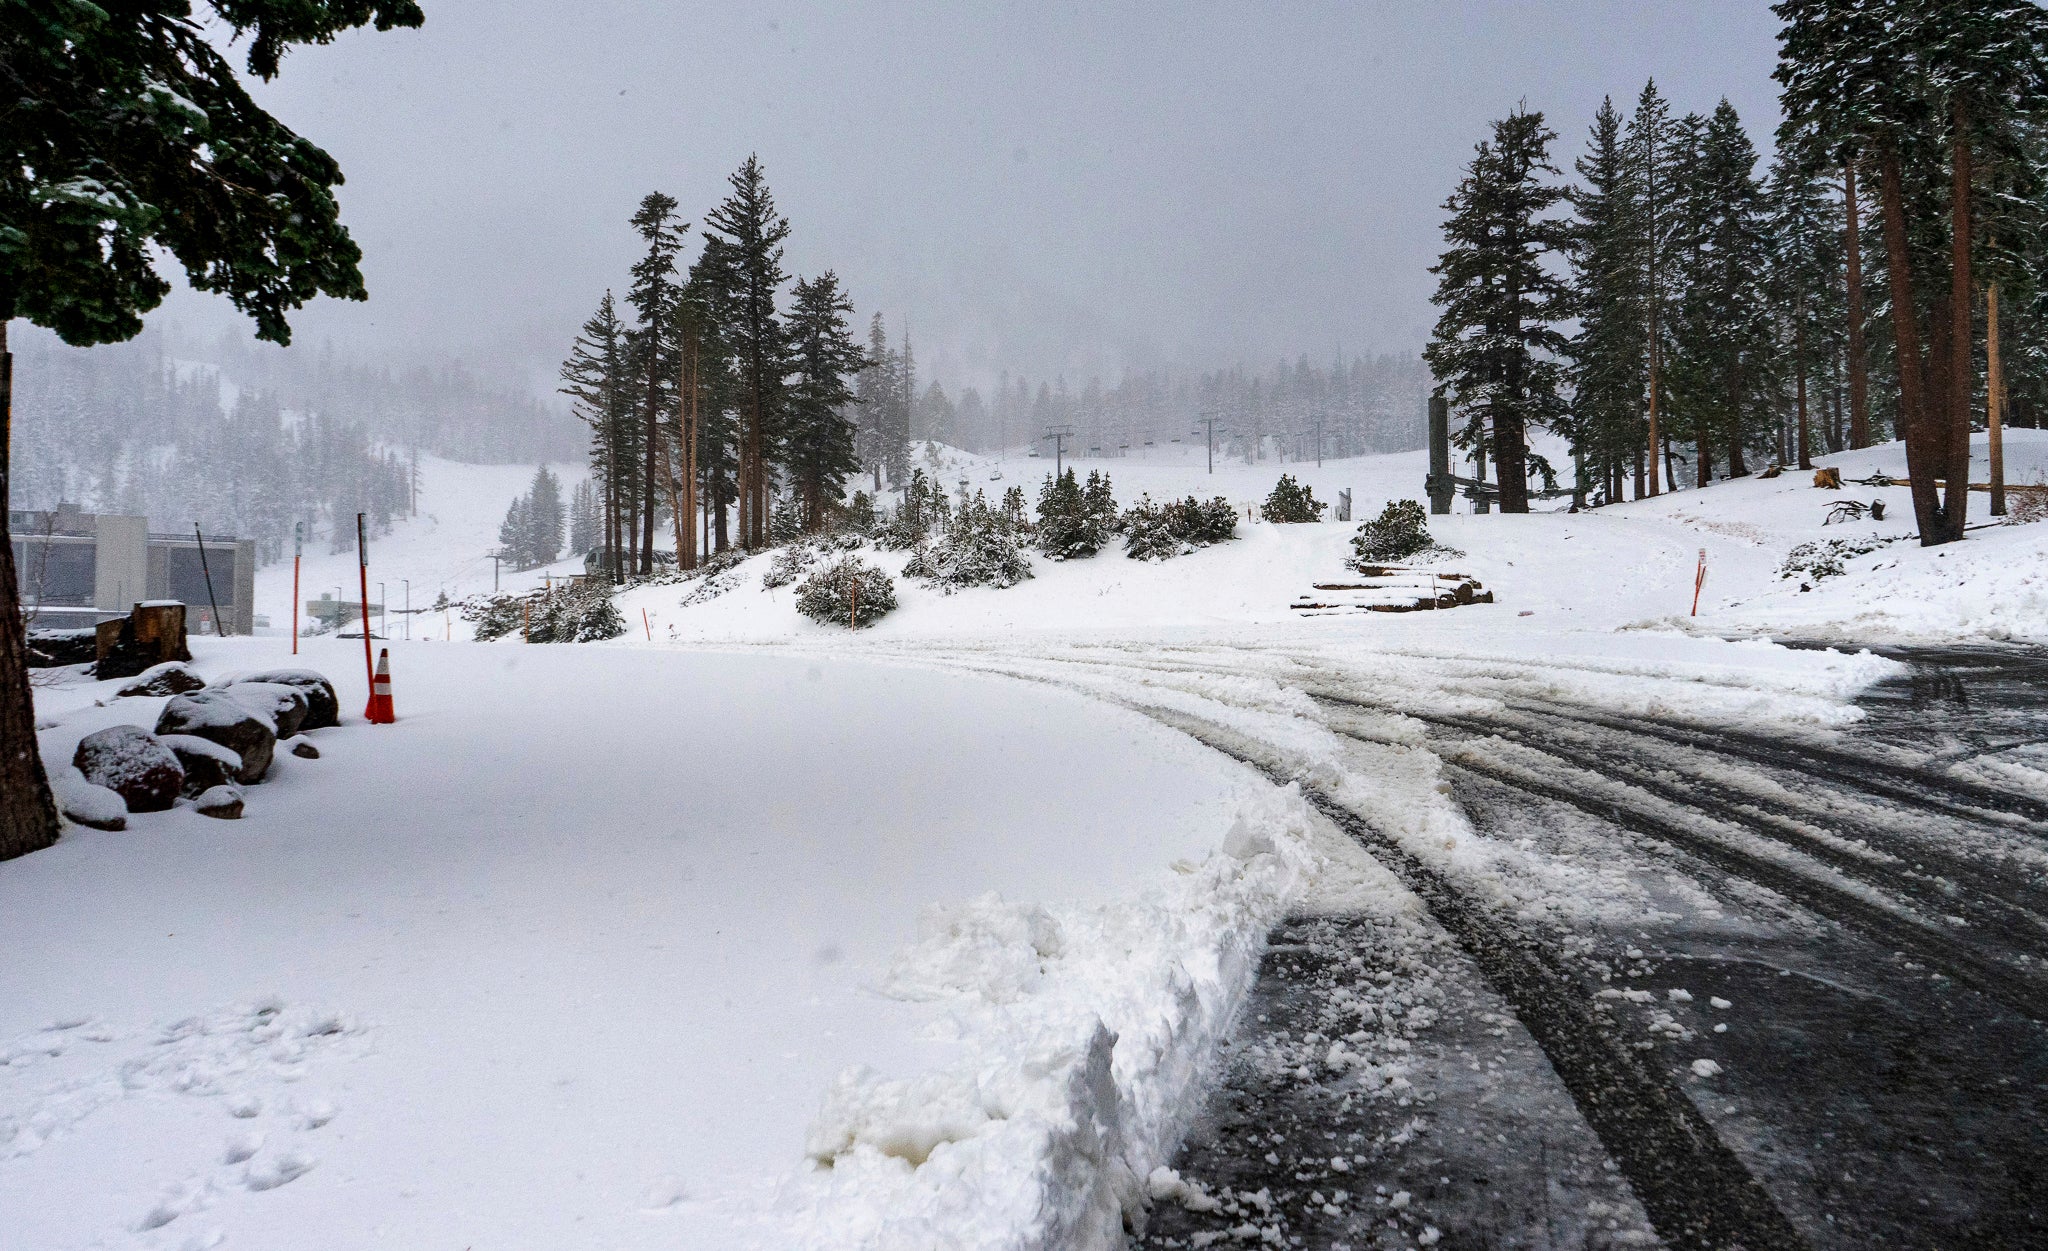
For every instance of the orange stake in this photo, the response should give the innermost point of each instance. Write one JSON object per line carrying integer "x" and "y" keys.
{"x": 1699, "y": 579}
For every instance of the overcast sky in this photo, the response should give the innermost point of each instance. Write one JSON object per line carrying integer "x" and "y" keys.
{"x": 1043, "y": 188}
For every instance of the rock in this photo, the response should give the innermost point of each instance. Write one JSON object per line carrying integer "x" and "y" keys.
{"x": 224, "y": 802}
{"x": 170, "y": 678}
{"x": 86, "y": 803}
{"x": 304, "y": 749}
{"x": 285, "y": 705}
{"x": 219, "y": 717}
{"x": 323, "y": 706}
{"x": 207, "y": 764}
{"x": 129, "y": 761}
{"x": 49, "y": 648}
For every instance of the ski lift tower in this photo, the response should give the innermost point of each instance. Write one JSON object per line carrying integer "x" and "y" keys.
{"x": 1059, "y": 436}
{"x": 1209, "y": 432}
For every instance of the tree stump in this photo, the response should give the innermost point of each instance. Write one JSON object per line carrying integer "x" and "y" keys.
{"x": 1831, "y": 478}
{"x": 151, "y": 634}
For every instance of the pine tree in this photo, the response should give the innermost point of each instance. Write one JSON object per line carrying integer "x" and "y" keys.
{"x": 820, "y": 435}
{"x": 1609, "y": 355}
{"x": 1496, "y": 345}
{"x": 657, "y": 297}
{"x": 750, "y": 278}
{"x": 1723, "y": 357}
{"x": 1806, "y": 272}
{"x": 598, "y": 379}
{"x": 1651, "y": 140}
{"x": 544, "y": 517}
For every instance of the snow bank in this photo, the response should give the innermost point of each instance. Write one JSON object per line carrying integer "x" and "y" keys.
{"x": 1084, "y": 1032}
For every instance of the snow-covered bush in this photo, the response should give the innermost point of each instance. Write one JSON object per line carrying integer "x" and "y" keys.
{"x": 848, "y": 592}
{"x": 1177, "y": 527}
{"x": 1400, "y": 532}
{"x": 572, "y": 612}
{"x": 2027, "y": 504}
{"x": 1827, "y": 558}
{"x": 790, "y": 563}
{"x": 1075, "y": 520}
{"x": 976, "y": 548}
{"x": 1292, "y": 503}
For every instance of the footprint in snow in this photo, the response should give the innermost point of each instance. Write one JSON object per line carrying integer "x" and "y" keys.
{"x": 286, "y": 1167}
{"x": 315, "y": 1113}
{"x": 242, "y": 1146}
{"x": 245, "y": 1105}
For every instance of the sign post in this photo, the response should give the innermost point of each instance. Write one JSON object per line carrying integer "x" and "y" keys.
{"x": 363, "y": 573}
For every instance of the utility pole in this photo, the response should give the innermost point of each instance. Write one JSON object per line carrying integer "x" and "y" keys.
{"x": 1059, "y": 436}
{"x": 494, "y": 573}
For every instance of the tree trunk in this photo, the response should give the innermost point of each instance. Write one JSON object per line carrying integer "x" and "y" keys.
{"x": 1961, "y": 305}
{"x": 1922, "y": 459}
{"x": 1859, "y": 375}
{"x": 1994, "y": 402}
{"x": 28, "y": 815}
{"x": 1799, "y": 367}
{"x": 654, "y": 457}
{"x": 1656, "y": 435}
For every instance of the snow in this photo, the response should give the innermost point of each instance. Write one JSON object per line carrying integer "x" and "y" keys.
{"x": 744, "y": 931}
{"x": 554, "y": 962}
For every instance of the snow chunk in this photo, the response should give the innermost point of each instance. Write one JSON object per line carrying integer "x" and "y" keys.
{"x": 1705, "y": 1068}
{"x": 986, "y": 948}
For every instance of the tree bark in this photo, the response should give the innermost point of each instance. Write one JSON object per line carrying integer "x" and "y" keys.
{"x": 28, "y": 814}
{"x": 1961, "y": 306}
{"x": 1994, "y": 402}
{"x": 1799, "y": 347}
{"x": 1923, "y": 461}
{"x": 1859, "y": 375}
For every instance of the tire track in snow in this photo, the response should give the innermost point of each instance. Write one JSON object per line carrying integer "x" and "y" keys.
{"x": 1697, "y": 1192}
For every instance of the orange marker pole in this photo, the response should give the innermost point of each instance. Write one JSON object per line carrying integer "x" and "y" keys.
{"x": 298, "y": 547}
{"x": 647, "y": 625}
{"x": 1699, "y": 579}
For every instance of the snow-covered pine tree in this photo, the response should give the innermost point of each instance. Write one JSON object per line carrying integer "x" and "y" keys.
{"x": 750, "y": 276}
{"x": 819, "y": 435}
{"x": 1608, "y": 355}
{"x": 1724, "y": 363}
{"x": 1496, "y": 345}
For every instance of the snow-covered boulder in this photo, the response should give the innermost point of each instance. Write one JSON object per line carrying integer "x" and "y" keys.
{"x": 129, "y": 761}
{"x": 206, "y": 763}
{"x": 286, "y": 706}
{"x": 218, "y": 716}
{"x": 87, "y": 803}
{"x": 223, "y": 802}
{"x": 172, "y": 677}
{"x": 323, "y": 706}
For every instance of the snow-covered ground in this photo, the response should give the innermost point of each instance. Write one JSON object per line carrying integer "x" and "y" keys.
{"x": 741, "y": 931}
{"x": 603, "y": 948}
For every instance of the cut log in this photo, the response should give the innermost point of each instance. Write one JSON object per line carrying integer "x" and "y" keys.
{"x": 151, "y": 634}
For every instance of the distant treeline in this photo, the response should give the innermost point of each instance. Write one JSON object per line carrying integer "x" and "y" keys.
{"x": 1357, "y": 406}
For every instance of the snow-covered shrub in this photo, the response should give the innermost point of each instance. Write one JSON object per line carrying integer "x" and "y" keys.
{"x": 1292, "y": 503}
{"x": 571, "y": 612}
{"x": 848, "y": 592}
{"x": 1400, "y": 532}
{"x": 1827, "y": 558}
{"x": 790, "y": 563}
{"x": 2028, "y": 503}
{"x": 1177, "y": 527}
{"x": 1075, "y": 520}
{"x": 976, "y": 548}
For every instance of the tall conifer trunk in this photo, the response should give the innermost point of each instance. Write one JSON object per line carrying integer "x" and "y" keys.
{"x": 1921, "y": 459}
{"x": 1799, "y": 347}
{"x": 653, "y": 421}
{"x": 1859, "y": 375}
{"x": 1961, "y": 360}
{"x": 28, "y": 815}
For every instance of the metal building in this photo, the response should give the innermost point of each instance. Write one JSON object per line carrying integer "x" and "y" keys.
{"x": 78, "y": 569}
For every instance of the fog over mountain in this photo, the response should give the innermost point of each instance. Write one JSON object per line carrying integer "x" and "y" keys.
{"x": 1051, "y": 190}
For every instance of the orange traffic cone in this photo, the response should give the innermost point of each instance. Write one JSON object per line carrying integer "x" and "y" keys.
{"x": 379, "y": 711}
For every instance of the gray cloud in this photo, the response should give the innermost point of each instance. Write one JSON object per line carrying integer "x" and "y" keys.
{"x": 1038, "y": 187}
